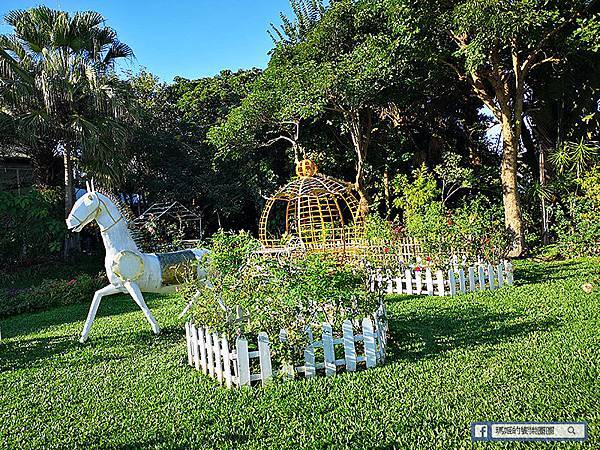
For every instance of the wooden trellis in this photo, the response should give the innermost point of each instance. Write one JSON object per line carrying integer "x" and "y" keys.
{"x": 319, "y": 211}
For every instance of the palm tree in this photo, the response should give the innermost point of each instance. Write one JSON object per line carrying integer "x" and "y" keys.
{"x": 58, "y": 87}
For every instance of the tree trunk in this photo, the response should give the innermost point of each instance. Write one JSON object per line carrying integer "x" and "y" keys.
{"x": 70, "y": 239}
{"x": 361, "y": 125}
{"x": 510, "y": 193}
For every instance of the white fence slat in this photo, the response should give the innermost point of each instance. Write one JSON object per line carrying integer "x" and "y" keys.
{"x": 491, "y": 277}
{"x": 500, "y": 275}
{"x": 243, "y": 362}
{"x": 461, "y": 281}
{"x": 472, "y": 284}
{"x": 440, "y": 282}
{"x": 481, "y": 279}
{"x": 418, "y": 281}
{"x": 452, "y": 282}
{"x": 201, "y": 348}
{"x": 409, "y": 289}
{"x": 226, "y": 361}
{"x": 309, "y": 361}
{"x": 390, "y": 284}
{"x": 210, "y": 353}
{"x": 429, "y": 282}
{"x": 264, "y": 356}
{"x": 218, "y": 362}
{"x": 372, "y": 282}
{"x": 398, "y": 281}
{"x": 509, "y": 274}
{"x": 349, "y": 348}
{"x": 369, "y": 342}
{"x": 195, "y": 346}
{"x": 328, "y": 350}
{"x": 189, "y": 343}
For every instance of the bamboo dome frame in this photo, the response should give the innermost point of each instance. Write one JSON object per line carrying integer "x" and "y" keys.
{"x": 321, "y": 214}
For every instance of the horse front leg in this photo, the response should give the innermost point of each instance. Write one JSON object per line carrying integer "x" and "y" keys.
{"x": 107, "y": 290}
{"x": 136, "y": 293}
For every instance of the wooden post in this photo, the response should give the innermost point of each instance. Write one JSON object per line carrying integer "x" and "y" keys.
{"x": 309, "y": 356}
{"x": 243, "y": 362}
{"x": 349, "y": 348}
{"x": 264, "y": 356}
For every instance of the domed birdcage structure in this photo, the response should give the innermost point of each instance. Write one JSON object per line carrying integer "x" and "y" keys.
{"x": 312, "y": 213}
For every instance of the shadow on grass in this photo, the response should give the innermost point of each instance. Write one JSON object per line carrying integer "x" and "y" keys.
{"x": 541, "y": 272}
{"x": 26, "y": 353}
{"x": 427, "y": 334}
{"x": 33, "y": 322}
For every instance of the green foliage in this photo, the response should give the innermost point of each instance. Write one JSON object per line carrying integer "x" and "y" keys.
{"x": 474, "y": 229}
{"x": 415, "y": 194}
{"x": 284, "y": 293}
{"x": 32, "y": 225}
{"x": 377, "y": 230}
{"x": 58, "y": 86}
{"x": 577, "y": 224}
{"x": 49, "y": 293}
{"x": 445, "y": 359}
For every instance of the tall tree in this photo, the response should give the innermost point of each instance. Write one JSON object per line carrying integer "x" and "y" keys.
{"x": 499, "y": 45}
{"x": 57, "y": 84}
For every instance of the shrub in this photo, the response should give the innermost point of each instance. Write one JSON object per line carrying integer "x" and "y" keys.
{"x": 474, "y": 229}
{"x": 32, "y": 225}
{"x": 577, "y": 222}
{"x": 283, "y": 293}
{"x": 47, "y": 294}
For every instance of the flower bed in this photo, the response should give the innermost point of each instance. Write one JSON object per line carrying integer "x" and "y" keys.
{"x": 235, "y": 364}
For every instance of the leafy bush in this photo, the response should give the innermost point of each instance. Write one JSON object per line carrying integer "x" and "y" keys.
{"x": 283, "y": 293}
{"x": 32, "y": 225}
{"x": 49, "y": 293}
{"x": 474, "y": 229}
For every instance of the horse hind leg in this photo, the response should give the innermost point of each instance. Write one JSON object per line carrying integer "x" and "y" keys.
{"x": 136, "y": 294}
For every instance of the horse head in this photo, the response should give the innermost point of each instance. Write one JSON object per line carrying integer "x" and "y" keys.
{"x": 85, "y": 209}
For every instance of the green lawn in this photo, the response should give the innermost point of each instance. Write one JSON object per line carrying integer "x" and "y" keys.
{"x": 528, "y": 353}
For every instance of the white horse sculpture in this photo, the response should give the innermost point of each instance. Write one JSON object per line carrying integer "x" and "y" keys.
{"x": 127, "y": 269}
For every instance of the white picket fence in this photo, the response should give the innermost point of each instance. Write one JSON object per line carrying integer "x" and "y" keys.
{"x": 452, "y": 282}
{"x": 232, "y": 366}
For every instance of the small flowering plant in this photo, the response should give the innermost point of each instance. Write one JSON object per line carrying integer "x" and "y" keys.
{"x": 276, "y": 293}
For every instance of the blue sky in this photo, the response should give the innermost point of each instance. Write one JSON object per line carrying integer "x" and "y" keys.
{"x": 189, "y": 38}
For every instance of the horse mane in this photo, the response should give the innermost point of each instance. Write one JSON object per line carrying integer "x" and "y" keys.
{"x": 125, "y": 211}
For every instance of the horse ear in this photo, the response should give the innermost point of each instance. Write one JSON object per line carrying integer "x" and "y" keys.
{"x": 93, "y": 188}
{"x": 87, "y": 186}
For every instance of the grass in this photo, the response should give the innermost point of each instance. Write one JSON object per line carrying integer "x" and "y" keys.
{"x": 527, "y": 353}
